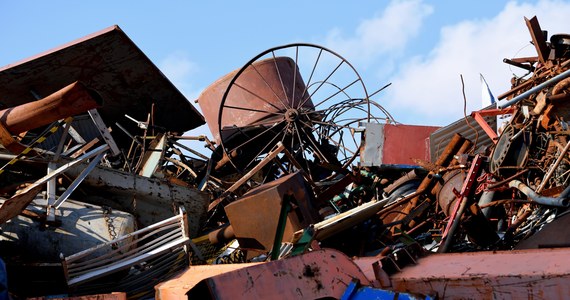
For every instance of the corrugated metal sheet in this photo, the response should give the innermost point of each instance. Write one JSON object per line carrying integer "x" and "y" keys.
{"x": 441, "y": 137}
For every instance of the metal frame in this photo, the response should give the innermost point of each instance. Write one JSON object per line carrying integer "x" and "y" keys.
{"x": 127, "y": 251}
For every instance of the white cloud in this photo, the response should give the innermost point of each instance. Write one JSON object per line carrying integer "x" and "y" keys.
{"x": 427, "y": 89}
{"x": 179, "y": 69}
{"x": 385, "y": 34}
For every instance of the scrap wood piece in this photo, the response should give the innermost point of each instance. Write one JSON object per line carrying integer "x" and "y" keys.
{"x": 13, "y": 206}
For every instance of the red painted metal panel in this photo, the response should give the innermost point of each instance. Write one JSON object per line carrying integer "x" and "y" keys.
{"x": 403, "y": 143}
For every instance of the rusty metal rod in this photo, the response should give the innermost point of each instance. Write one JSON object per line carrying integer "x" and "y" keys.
{"x": 553, "y": 168}
{"x": 548, "y": 83}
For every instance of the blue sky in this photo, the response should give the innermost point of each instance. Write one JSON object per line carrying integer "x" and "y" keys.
{"x": 420, "y": 46}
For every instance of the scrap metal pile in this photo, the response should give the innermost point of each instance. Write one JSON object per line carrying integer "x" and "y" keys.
{"x": 303, "y": 172}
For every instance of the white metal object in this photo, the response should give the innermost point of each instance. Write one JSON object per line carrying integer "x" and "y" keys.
{"x": 371, "y": 154}
{"x": 104, "y": 131}
{"x": 127, "y": 251}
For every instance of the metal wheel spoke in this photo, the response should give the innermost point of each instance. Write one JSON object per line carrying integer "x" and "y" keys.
{"x": 315, "y": 147}
{"x": 338, "y": 92}
{"x": 256, "y": 136}
{"x": 320, "y": 85}
{"x": 257, "y": 96}
{"x": 305, "y": 160}
{"x": 264, "y": 149}
{"x": 253, "y": 109}
{"x": 284, "y": 103}
{"x": 332, "y": 140}
{"x": 295, "y": 101}
{"x": 281, "y": 78}
{"x": 308, "y": 84}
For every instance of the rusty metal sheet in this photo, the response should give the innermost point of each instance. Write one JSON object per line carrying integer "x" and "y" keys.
{"x": 518, "y": 274}
{"x": 177, "y": 287}
{"x": 109, "y": 62}
{"x": 254, "y": 217}
{"x": 320, "y": 274}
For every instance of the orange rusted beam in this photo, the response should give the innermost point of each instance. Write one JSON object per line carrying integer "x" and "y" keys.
{"x": 478, "y": 116}
{"x": 71, "y": 100}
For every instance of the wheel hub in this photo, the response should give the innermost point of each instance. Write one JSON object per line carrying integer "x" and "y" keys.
{"x": 291, "y": 115}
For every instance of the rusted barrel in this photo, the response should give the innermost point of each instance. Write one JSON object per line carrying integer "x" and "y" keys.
{"x": 263, "y": 89}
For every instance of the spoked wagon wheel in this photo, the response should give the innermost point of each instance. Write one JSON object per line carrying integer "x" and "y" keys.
{"x": 301, "y": 95}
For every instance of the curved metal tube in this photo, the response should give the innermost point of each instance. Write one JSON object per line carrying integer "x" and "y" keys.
{"x": 560, "y": 201}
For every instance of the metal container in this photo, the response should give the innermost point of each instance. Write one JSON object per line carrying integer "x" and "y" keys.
{"x": 82, "y": 226}
{"x": 261, "y": 90}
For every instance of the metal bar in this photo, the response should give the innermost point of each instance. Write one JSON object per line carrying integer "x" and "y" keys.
{"x": 553, "y": 167}
{"x": 249, "y": 174}
{"x": 66, "y": 128}
{"x": 104, "y": 131}
{"x": 548, "y": 83}
{"x": 281, "y": 223}
{"x": 182, "y": 165}
{"x": 485, "y": 126}
{"x": 171, "y": 220}
{"x": 78, "y": 180}
{"x": 461, "y": 204}
{"x": 83, "y": 148}
{"x": 125, "y": 264}
{"x": 76, "y": 136}
{"x": 189, "y": 149}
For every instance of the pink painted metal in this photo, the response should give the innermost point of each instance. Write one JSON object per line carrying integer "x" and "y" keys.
{"x": 517, "y": 274}
{"x": 320, "y": 274}
{"x": 261, "y": 91}
{"x": 177, "y": 287}
{"x": 479, "y": 117}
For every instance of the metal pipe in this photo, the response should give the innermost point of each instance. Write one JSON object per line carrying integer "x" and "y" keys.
{"x": 486, "y": 198}
{"x": 535, "y": 89}
{"x": 560, "y": 201}
{"x": 71, "y": 100}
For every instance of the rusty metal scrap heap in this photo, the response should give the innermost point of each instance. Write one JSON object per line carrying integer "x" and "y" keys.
{"x": 309, "y": 188}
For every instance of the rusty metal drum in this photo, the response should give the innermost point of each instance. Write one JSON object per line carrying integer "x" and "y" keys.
{"x": 262, "y": 91}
